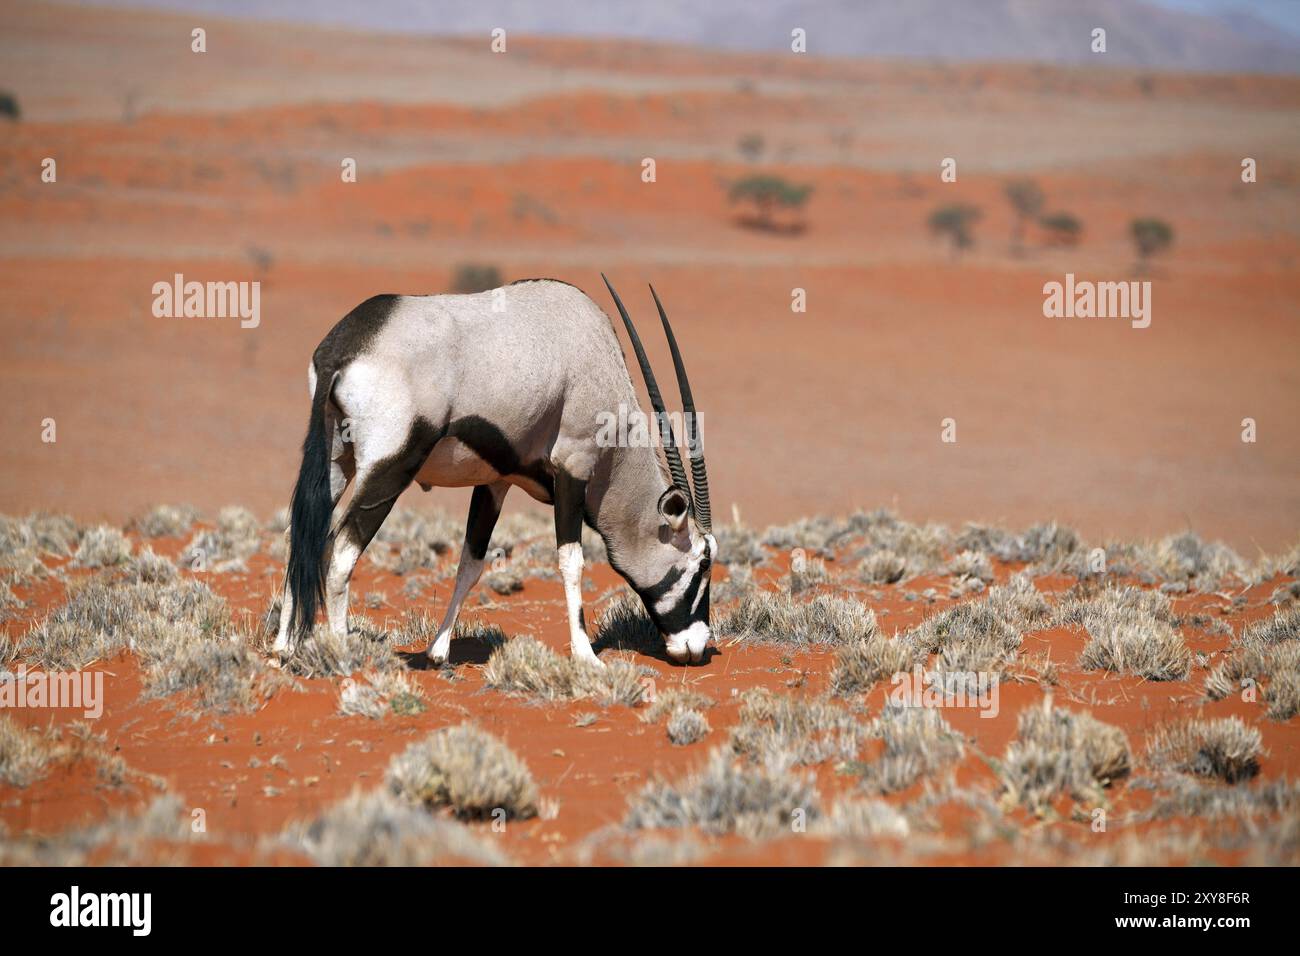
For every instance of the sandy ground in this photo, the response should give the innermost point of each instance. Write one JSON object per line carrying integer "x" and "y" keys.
{"x": 295, "y": 755}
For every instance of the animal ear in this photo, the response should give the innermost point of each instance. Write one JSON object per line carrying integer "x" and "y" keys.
{"x": 675, "y": 508}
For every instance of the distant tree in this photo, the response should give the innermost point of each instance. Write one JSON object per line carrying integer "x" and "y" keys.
{"x": 768, "y": 193}
{"x": 1027, "y": 201}
{"x": 956, "y": 222}
{"x": 1152, "y": 236}
{"x": 1062, "y": 228}
{"x": 475, "y": 277}
{"x": 9, "y": 105}
{"x": 751, "y": 146}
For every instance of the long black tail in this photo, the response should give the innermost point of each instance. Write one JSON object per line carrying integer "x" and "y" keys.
{"x": 309, "y": 514}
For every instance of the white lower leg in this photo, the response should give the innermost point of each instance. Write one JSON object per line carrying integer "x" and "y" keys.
{"x": 571, "y": 563}
{"x": 284, "y": 640}
{"x": 467, "y": 576}
{"x": 342, "y": 561}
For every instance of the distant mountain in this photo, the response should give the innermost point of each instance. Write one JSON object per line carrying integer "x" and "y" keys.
{"x": 1215, "y": 35}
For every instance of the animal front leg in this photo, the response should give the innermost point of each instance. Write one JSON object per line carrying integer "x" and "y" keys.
{"x": 484, "y": 509}
{"x": 570, "y": 494}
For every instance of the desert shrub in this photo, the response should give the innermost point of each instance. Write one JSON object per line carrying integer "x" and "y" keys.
{"x": 24, "y": 540}
{"x": 778, "y": 618}
{"x": 25, "y": 755}
{"x": 1226, "y": 749}
{"x": 777, "y": 726}
{"x": 767, "y": 193}
{"x": 222, "y": 671}
{"x": 326, "y": 654}
{"x": 102, "y": 547}
{"x": 1059, "y": 752}
{"x": 727, "y": 796}
{"x": 1151, "y": 236}
{"x": 863, "y": 819}
{"x": 466, "y": 769}
{"x": 882, "y": 567}
{"x": 738, "y": 544}
{"x": 1188, "y": 796}
{"x": 687, "y": 726}
{"x": 1132, "y": 645}
{"x": 861, "y": 663}
{"x": 1045, "y": 546}
{"x": 166, "y": 521}
{"x": 377, "y": 829}
{"x": 971, "y": 564}
{"x": 672, "y": 699}
{"x": 382, "y": 693}
{"x": 982, "y": 635}
{"x": 228, "y": 546}
{"x": 624, "y": 625}
{"x": 806, "y": 574}
{"x": 1061, "y": 228}
{"x": 124, "y": 839}
{"x": 9, "y": 106}
{"x": 956, "y": 223}
{"x": 411, "y": 540}
{"x": 524, "y": 665}
{"x": 1267, "y": 653}
{"x": 1027, "y": 199}
{"x": 149, "y": 568}
{"x": 1185, "y": 558}
{"x": 470, "y": 277}
{"x": 103, "y": 615}
{"x": 917, "y": 742}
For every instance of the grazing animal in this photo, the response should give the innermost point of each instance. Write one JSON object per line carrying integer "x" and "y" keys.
{"x": 499, "y": 388}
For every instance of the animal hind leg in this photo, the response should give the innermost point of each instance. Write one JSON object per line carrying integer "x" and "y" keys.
{"x": 484, "y": 509}
{"x": 378, "y": 488}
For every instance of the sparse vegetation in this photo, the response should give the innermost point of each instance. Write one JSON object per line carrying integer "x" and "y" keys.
{"x": 862, "y": 662}
{"x": 956, "y": 223}
{"x": 1059, "y": 752}
{"x": 1061, "y": 228}
{"x": 166, "y": 521}
{"x": 377, "y": 829}
{"x": 9, "y": 106}
{"x": 473, "y": 277}
{"x": 778, "y": 618}
{"x": 917, "y": 741}
{"x": 102, "y": 547}
{"x": 1152, "y": 237}
{"x": 767, "y": 193}
{"x": 25, "y": 755}
{"x": 524, "y": 665}
{"x": 727, "y": 796}
{"x": 466, "y": 769}
{"x": 1225, "y": 749}
{"x": 1027, "y": 199}
{"x": 687, "y": 727}
{"x": 776, "y": 727}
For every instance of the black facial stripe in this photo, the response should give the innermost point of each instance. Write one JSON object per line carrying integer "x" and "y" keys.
{"x": 680, "y": 616}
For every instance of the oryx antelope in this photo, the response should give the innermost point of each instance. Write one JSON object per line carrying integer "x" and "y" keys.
{"x": 491, "y": 390}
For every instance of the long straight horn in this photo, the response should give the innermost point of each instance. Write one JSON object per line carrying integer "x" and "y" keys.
{"x": 694, "y": 444}
{"x": 669, "y": 443}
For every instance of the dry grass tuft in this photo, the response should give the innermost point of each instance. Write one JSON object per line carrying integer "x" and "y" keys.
{"x": 124, "y": 839}
{"x": 466, "y": 769}
{"x": 1226, "y": 749}
{"x": 1062, "y": 752}
{"x": 672, "y": 699}
{"x": 624, "y": 625}
{"x": 860, "y": 664}
{"x": 982, "y": 636}
{"x": 863, "y": 819}
{"x": 228, "y": 546}
{"x": 778, "y": 618}
{"x": 25, "y": 755}
{"x": 777, "y": 726}
{"x": 102, "y": 547}
{"x": 377, "y": 829}
{"x": 727, "y": 796}
{"x": 166, "y": 521}
{"x": 1267, "y": 653}
{"x": 917, "y": 742}
{"x": 687, "y": 727}
{"x": 1130, "y": 631}
{"x": 382, "y": 693}
{"x": 526, "y": 666}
